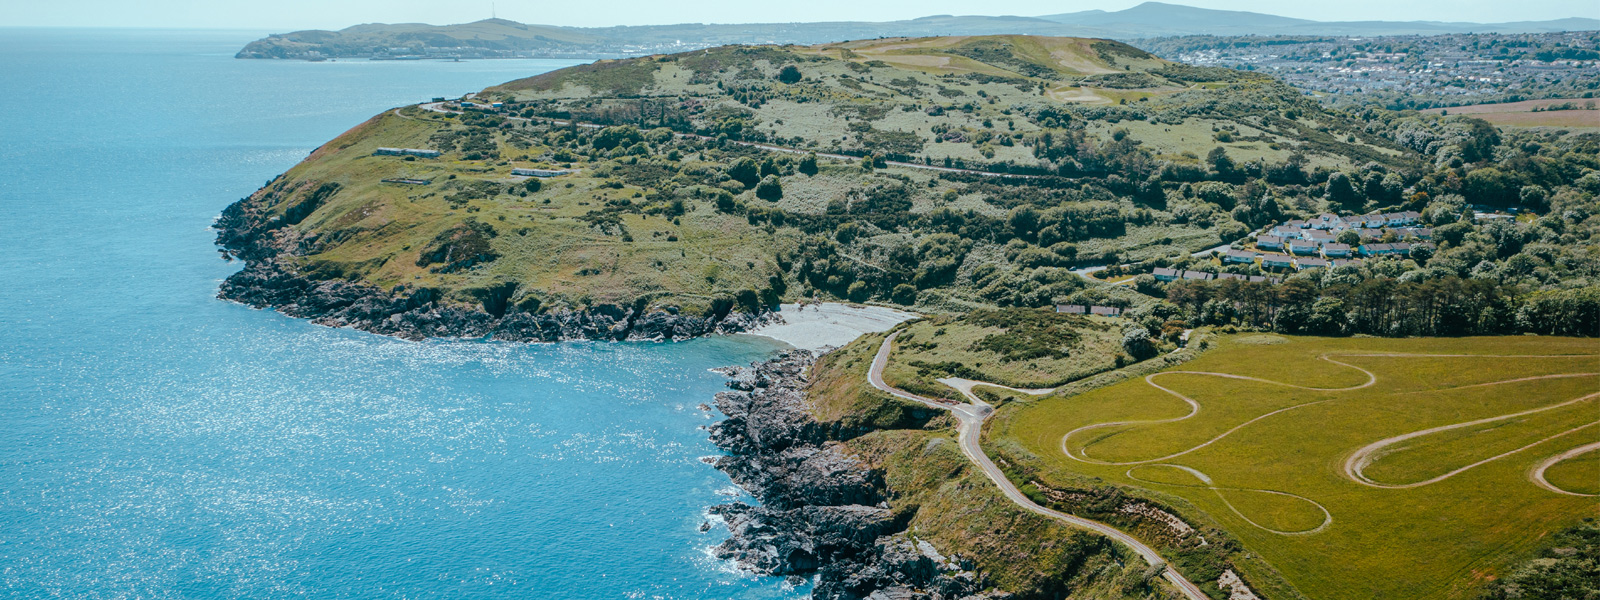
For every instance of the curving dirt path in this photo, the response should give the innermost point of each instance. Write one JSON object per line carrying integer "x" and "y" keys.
{"x": 1362, "y": 458}
{"x": 1358, "y": 461}
{"x": 1327, "y": 517}
{"x": 1536, "y": 474}
{"x": 971, "y": 417}
{"x": 965, "y": 387}
{"x": 1194, "y": 409}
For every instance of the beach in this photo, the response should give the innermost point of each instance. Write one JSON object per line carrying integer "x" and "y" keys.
{"x": 816, "y": 327}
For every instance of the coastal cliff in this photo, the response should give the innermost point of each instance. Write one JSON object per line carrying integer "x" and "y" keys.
{"x": 871, "y": 497}
{"x": 824, "y": 512}
{"x": 272, "y": 278}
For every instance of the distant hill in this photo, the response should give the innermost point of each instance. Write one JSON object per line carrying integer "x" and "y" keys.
{"x": 501, "y": 38}
{"x": 1139, "y": 20}
{"x": 1155, "y": 19}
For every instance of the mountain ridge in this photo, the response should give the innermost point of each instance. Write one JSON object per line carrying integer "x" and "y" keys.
{"x": 490, "y": 38}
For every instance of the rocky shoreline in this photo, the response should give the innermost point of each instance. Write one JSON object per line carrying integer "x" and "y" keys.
{"x": 419, "y": 313}
{"x": 243, "y": 231}
{"x": 823, "y": 514}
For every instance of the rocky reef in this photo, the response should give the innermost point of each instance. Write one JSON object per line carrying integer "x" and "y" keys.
{"x": 823, "y": 514}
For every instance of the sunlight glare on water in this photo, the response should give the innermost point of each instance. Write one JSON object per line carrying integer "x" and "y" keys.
{"x": 158, "y": 443}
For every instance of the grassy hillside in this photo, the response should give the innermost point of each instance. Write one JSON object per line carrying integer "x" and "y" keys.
{"x": 670, "y": 206}
{"x": 965, "y": 177}
{"x": 1433, "y": 516}
{"x": 945, "y": 500}
{"x": 1022, "y": 348}
{"x": 966, "y": 100}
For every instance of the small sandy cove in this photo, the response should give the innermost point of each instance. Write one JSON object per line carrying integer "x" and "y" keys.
{"x": 829, "y": 324}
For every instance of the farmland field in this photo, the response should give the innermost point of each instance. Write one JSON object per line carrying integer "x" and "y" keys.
{"x": 1413, "y": 464}
{"x": 1577, "y": 113}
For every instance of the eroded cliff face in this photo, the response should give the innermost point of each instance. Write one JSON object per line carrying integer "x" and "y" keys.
{"x": 270, "y": 279}
{"x": 823, "y": 512}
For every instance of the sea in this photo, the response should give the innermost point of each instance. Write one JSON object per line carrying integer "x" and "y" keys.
{"x": 156, "y": 442}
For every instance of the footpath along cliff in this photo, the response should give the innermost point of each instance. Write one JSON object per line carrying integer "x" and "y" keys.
{"x": 823, "y": 511}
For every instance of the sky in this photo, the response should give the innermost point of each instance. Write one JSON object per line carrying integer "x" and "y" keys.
{"x": 287, "y": 15}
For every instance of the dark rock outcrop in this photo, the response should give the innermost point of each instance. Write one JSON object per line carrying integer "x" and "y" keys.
{"x": 823, "y": 512}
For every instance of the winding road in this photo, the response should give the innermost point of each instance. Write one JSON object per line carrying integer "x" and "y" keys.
{"x": 971, "y": 416}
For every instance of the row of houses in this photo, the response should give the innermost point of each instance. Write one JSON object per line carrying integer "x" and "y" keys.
{"x": 1079, "y": 309}
{"x": 1333, "y": 222}
{"x": 1333, "y": 251}
{"x": 1284, "y": 233}
{"x": 1167, "y": 274}
{"x": 406, "y": 152}
{"x": 1296, "y": 246}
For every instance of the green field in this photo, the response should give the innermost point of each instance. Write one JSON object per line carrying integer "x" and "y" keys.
{"x": 1286, "y": 451}
{"x": 1023, "y": 348}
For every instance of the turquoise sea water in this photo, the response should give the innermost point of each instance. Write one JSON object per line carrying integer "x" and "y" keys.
{"x": 158, "y": 443}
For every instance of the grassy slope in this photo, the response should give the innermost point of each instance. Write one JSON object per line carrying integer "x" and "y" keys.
{"x": 543, "y": 245}
{"x": 952, "y": 504}
{"x": 1021, "y": 357}
{"x": 876, "y": 100}
{"x": 1000, "y": 76}
{"x": 1441, "y": 540}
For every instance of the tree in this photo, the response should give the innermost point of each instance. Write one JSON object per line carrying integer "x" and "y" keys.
{"x": 745, "y": 171}
{"x": 1258, "y": 210}
{"x": 532, "y": 184}
{"x": 1136, "y": 342}
{"x": 726, "y": 202}
{"x": 1445, "y": 209}
{"x": 612, "y": 137}
{"x": 1221, "y": 163}
{"x": 1034, "y": 257}
{"x": 1024, "y": 221}
{"x": 1349, "y": 237}
{"x": 858, "y": 291}
{"x": 1535, "y": 197}
{"x": 1232, "y": 230}
{"x": 770, "y": 189}
{"x": 904, "y": 294}
{"x": 1490, "y": 186}
{"x": 769, "y": 166}
{"x": 790, "y": 74}
{"x": 847, "y": 232}
{"x": 1215, "y": 192}
{"x": 1327, "y": 317}
{"x": 1341, "y": 192}
{"x": 1421, "y": 254}
{"x": 1480, "y": 143}
{"x": 808, "y": 164}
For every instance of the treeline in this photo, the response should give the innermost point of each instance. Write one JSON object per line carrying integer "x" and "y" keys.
{"x": 1446, "y": 306}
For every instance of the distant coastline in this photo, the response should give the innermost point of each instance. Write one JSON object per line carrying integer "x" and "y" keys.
{"x": 502, "y": 38}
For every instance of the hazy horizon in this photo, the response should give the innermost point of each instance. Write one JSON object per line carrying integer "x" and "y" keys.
{"x": 288, "y": 15}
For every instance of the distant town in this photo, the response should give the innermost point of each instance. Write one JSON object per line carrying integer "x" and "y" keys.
{"x": 1404, "y": 72}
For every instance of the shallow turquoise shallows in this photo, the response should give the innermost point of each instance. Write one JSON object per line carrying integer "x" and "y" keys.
{"x": 158, "y": 443}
